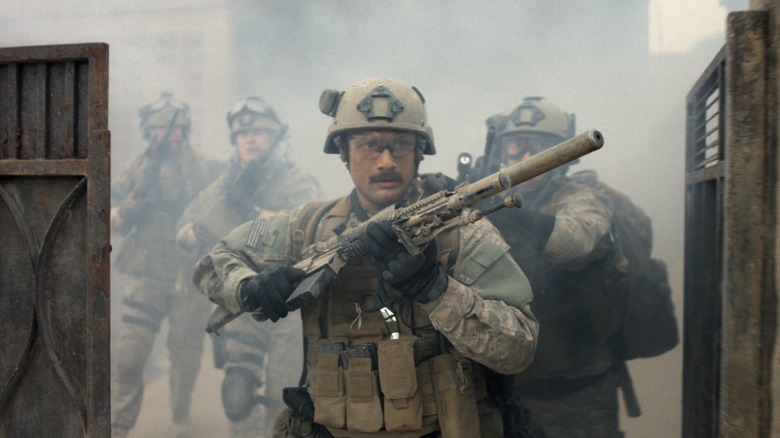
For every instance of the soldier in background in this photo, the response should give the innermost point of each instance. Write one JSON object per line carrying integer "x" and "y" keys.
{"x": 398, "y": 344}
{"x": 570, "y": 238}
{"x": 259, "y": 359}
{"x": 148, "y": 199}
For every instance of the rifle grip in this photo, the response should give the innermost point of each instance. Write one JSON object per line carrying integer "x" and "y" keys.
{"x": 310, "y": 288}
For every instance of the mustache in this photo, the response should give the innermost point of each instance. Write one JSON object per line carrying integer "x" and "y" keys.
{"x": 386, "y": 176}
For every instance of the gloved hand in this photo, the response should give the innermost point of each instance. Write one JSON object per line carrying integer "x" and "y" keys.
{"x": 269, "y": 290}
{"x": 419, "y": 277}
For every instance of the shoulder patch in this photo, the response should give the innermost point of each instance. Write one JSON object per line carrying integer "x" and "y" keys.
{"x": 260, "y": 234}
{"x": 265, "y": 236}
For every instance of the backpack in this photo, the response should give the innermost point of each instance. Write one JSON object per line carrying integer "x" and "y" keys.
{"x": 649, "y": 326}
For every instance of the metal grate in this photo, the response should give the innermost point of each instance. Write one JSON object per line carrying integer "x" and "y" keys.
{"x": 706, "y": 125}
{"x": 705, "y": 190}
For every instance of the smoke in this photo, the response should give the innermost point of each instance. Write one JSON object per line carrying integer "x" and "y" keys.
{"x": 469, "y": 59}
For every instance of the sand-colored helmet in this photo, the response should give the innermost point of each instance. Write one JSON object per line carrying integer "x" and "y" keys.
{"x": 254, "y": 113}
{"x": 164, "y": 112}
{"x": 535, "y": 114}
{"x": 377, "y": 103}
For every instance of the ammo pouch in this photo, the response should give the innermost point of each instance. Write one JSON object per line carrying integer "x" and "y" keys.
{"x": 403, "y": 398}
{"x": 364, "y": 409}
{"x": 385, "y": 396}
{"x": 329, "y": 394}
{"x": 456, "y": 395}
{"x": 390, "y": 396}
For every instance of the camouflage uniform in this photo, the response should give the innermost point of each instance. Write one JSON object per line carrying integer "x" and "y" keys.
{"x": 265, "y": 351}
{"x": 559, "y": 237}
{"x": 469, "y": 314}
{"x": 576, "y": 395}
{"x": 397, "y": 344}
{"x": 150, "y": 256}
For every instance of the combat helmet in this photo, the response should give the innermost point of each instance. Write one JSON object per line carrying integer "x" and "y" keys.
{"x": 254, "y": 113}
{"x": 535, "y": 114}
{"x": 377, "y": 103}
{"x": 165, "y": 112}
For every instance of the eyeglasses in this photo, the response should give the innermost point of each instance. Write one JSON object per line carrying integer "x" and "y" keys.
{"x": 371, "y": 146}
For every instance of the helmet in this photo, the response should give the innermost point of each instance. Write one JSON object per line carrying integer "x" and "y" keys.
{"x": 164, "y": 112}
{"x": 377, "y": 103}
{"x": 253, "y": 113}
{"x": 534, "y": 114}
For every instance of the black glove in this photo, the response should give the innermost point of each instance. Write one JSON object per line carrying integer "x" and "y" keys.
{"x": 269, "y": 290}
{"x": 416, "y": 276}
{"x": 531, "y": 224}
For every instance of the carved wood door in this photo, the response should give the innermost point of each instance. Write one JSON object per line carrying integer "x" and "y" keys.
{"x": 54, "y": 241}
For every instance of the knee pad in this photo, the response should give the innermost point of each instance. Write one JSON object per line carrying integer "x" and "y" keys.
{"x": 238, "y": 393}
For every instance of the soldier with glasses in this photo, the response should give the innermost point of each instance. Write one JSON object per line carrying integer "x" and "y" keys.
{"x": 398, "y": 344}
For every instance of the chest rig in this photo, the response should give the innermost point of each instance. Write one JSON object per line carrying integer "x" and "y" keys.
{"x": 372, "y": 359}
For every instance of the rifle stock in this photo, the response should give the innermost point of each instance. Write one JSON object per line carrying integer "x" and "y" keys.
{"x": 419, "y": 223}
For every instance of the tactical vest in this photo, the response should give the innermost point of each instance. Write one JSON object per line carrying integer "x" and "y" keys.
{"x": 372, "y": 374}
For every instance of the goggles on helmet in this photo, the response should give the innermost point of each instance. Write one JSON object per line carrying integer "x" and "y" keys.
{"x": 255, "y": 105}
{"x": 166, "y": 100}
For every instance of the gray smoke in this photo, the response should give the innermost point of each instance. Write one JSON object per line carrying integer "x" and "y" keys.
{"x": 470, "y": 60}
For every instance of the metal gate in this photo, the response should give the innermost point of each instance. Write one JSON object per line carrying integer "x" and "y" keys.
{"x": 54, "y": 241}
{"x": 731, "y": 174}
{"x": 705, "y": 170}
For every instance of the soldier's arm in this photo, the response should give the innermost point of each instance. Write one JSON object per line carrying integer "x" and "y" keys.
{"x": 485, "y": 310}
{"x": 219, "y": 273}
{"x": 582, "y": 228}
{"x": 239, "y": 256}
{"x": 189, "y": 237}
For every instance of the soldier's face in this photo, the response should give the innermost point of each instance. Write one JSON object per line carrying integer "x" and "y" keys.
{"x": 252, "y": 144}
{"x": 382, "y": 165}
{"x": 520, "y": 147}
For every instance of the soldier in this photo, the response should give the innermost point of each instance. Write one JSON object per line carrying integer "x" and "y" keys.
{"x": 398, "y": 344}
{"x": 563, "y": 240}
{"x": 259, "y": 183}
{"x": 149, "y": 198}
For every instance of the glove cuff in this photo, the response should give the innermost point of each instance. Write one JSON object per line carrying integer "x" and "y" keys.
{"x": 245, "y": 299}
{"x": 435, "y": 285}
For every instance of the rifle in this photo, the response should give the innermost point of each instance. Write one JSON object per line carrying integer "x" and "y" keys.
{"x": 627, "y": 388}
{"x": 467, "y": 168}
{"x": 419, "y": 223}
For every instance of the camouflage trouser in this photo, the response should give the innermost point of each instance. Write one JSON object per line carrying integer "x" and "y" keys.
{"x": 591, "y": 412}
{"x": 148, "y": 302}
{"x": 269, "y": 356}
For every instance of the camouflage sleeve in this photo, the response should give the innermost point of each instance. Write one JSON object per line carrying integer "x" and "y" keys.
{"x": 219, "y": 273}
{"x": 247, "y": 250}
{"x": 198, "y": 207}
{"x": 582, "y": 226}
{"x": 124, "y": 184}
{"x": 485, "y": 310}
